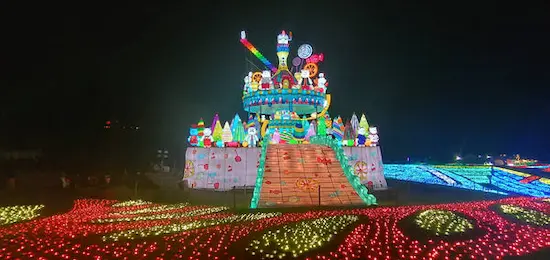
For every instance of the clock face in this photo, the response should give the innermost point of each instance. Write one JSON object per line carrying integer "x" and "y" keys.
{"x": 304, "y": 51}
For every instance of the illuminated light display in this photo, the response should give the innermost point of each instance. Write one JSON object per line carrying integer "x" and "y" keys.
{"x": 353, "y": 179}
{"x": 410, "y": 172}
{"x": 294, "y": 173}
{"x": 299, "y": 238}
{"x": 512, "y": 182}
{"x": 377, "y": 233}
{"x": 281, "y": 105}
{"x": 180, "y": 227}
{"x": 442, "y": 223}
{"x": 526, "y": 215}
{"x": 130, "y": 203}
{"x": 14, "y": 214}
{"x": 477, "y": 174}
{"x": 256, "y": 53}
{"x": 261, "y": 172}
{"x": 440, "y": 175}
{"x": 153, "y": 209}
{"x": 424, "y": 174}
{"x": 468, "y": 179}
{"x": 518, "y": 173}
{"x": 194, "y": 212}
{"x": 544, "y": 181}
{"x": 479, "y": 178}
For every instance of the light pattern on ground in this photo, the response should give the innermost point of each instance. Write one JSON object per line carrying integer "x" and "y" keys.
{"x": 299, "y": 238}
{"x": 363, "y": 233}
{"x": 526, "y": 215}
{"x": 180, "y": 227}
{"x": 130, "y": 203}
{"x": 441, "y": 222}
{"x": 13, "y": 214}
{"x": 153, "y": 209}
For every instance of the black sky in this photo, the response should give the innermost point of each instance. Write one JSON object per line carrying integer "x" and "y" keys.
{"x": 435, "y": 77}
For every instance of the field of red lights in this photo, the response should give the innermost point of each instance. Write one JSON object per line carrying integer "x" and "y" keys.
{"x": 103, "y": 229}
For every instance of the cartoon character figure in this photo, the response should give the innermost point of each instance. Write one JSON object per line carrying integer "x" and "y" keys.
{"x": 373, "y": 136}
{"x": 361, "y": 137}
{"x": 299, "y": 134}
{"x": 321, "y": 83}
{"x": 207, "y": 138}
{"x": 252, "y": 137}
{"x": 247, "y": 83}
{"x": 254, "y": 85}
{"x": 193, "y": 135}
{"x": 266, "y": 82}
{"x": 298, "y": 76}
{"x": 306, "y": 82}
{"x": 285, "y": 115}
{"x": 276, "y": 137}
{"x": 277, "y": 115}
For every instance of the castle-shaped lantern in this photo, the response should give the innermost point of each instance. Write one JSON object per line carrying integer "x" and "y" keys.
{"x": 281, "y": 93}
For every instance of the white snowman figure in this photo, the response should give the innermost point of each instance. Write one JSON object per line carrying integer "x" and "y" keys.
{"x": 322, "y": 83}
{"x": 266, "y": 82}
{"x": 373, "y": 136}
{"x": 305, "y": 81}
{"x": 252, "y": 137}
{"x": 247, "y": 83}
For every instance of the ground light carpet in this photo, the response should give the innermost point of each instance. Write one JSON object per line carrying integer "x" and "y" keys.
{"x": 102, "y": 229}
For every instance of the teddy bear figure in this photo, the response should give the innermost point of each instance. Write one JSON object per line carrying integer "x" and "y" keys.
{"x": 266, "y": 82}
{"x": 373, "y": 136}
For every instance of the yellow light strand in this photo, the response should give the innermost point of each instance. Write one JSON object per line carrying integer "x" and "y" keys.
{"x": 180, "y": 227}
{"x": 176, "y": 215}
{"x": 152, "y": 209}
{"x": 130, "y": 203}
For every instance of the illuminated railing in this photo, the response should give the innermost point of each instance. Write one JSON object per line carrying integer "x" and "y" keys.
{"x": 355, "y": 182}
{"x": 260, "y": 177}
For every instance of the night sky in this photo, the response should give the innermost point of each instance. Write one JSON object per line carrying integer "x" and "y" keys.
{"x": 435, "y": 78}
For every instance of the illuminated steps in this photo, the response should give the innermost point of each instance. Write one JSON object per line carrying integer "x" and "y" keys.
{"x": 293, "y": 174}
